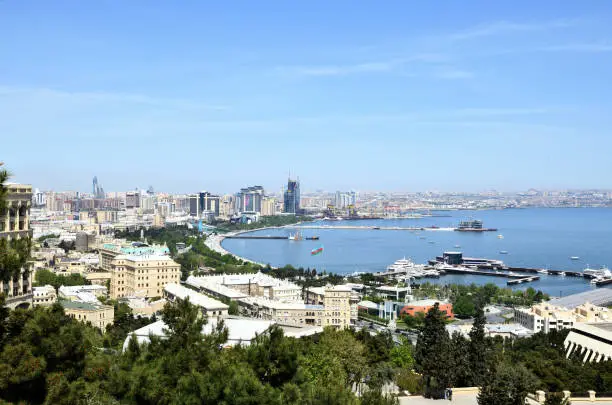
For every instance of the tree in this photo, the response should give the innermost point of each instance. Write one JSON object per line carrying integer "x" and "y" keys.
{"x": 432, "y": 354}
{"x": 479, "y": 348}
{"x": 556, "y": 398}
{"x": 273, "y": 357}
{"x": 509, "y": 384}
{"x": 464, "y": 306}
{"x": 402, "y": 355}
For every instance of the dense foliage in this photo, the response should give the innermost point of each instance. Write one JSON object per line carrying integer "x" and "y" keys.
{"x": 49, "y": 358}
{"x": 47, "y": 277}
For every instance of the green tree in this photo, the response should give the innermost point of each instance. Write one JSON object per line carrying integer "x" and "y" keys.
{"x": 556, "y": 398}
{"x": 274, "y": 357}
{"x": 478, "y": 348}
{"x": 402, "y": 355}
{"x": 432, "y": 354}
{"x": 509, "y": 384}
{"x": 464, "y": 306}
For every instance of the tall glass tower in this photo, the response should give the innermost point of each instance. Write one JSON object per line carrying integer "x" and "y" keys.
{"x": 292, "y": 197}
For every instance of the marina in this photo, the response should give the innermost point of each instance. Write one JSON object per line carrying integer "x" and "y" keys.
{"x": 540, "y": 242}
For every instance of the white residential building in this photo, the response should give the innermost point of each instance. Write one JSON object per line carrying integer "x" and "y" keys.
{"x": 44, "y": 296}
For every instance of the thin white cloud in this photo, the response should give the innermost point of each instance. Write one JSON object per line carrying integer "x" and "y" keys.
{"x": 453, "y": 74}
{"x": 505, "y": 27}
{"x": 339, "y": 70}
{"x": 86, "y": 96}
{"x": 600, "y": 47}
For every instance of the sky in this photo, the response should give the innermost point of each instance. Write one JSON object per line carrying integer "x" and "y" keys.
{"x": 391, "y": 96}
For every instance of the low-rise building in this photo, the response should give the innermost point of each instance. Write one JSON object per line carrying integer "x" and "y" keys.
{"x": 209, "y": 307}
{"x": 97, "y": 314}
{"x": 423, "y": 306}
{"x": 142, "y": 276}
{"x": 143, "y": 307}
{"x": 87, "y": 293}
{"x": 509, "y": 330}
{"x": 260, "y": 299}
{"x": 44, "y": 296}
{"x": 590, "y": 341}
{"x": 546, "y": 317}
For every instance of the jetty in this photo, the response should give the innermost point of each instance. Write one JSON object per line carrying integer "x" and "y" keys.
{"x": 268, "y": 237}
{"x": 523, "y": 280}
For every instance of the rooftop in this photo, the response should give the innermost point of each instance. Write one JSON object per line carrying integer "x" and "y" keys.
{"x": 85, "y": 306}
{"x": 424, "y": 303}
{"x": 195, "y": 297}
{"x": 600, "y": 297}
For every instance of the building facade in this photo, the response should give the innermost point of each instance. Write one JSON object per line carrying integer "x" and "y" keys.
{"x": 44, "y": 296}
{"x": 591, "y": 342}
{"x": 209, "y": 307}
{"x": 95, "y": 313}
{"x": 142, "y": 276}
{"x": 249, "y": 199}
{"x": 292, "y": 197}
{"x": 545, "y": 317}
{"x": 15, "y": 225}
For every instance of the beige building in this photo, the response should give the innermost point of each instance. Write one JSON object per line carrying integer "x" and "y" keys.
{"x": 265, "y": 297}
{"x": 44, "y": 296}
{"x": 592, "y": 342}
{"x": 97, "y": 314}
{"x": 110, "y": 248}
{"x": 209, "y": 307}
{"x": 546, "y": 317}
{"x": 268, "y": 206}
{"x": 142, "y": 276}
{"x": 98, "y": 277}
{"x": 15, "y": 224}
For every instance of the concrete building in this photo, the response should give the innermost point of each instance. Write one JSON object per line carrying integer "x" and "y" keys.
{"x": 546, "y": 317}
{"x": 265, "y": 297}
{"x": 110, "y": 249}
{"x": 255, "y": 285}
{"x": 15, "y": 224}
{"x": 210, "y": 307}
{"x": 132, "y": 199}
{"x": 142, "y": 276}
{"x": 44, "y": 296}
{"x": 423, "y": 306}
{"x": 268, "y": 206}
{"x": 592, "y": 342}
{"x": 84, "y": 241}
{"x": 249, "y": 199}
{"x": 95, "y": 313}
{"x": 85, "y": 293}
{"x": 316, "y": 296}
{"x": 509, "y": 330}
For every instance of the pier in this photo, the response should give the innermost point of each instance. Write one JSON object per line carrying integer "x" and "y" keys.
{"x": 370, "y": 227}
{"x": 269, "y": 237}
{"x": 523, "y": 280}
{"x": 465, "y": 270}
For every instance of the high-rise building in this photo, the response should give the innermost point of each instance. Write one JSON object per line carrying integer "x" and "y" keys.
{"x": 194, "y": 205}
{"x": 345, "y": 198}
{"x": 132, "y": 199}
{"x": 208, "y": 202}
{"x": 292, "y": 197}
{"x": 97, "y": 190}
{"x": 249, "y": 199}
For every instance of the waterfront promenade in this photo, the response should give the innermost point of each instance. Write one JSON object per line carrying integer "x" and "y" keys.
{"x": 370, "y": 227}
{"x": 213, "y": 242}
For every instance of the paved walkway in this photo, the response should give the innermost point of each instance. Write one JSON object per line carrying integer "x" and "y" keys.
{"x": 458, "y": 399}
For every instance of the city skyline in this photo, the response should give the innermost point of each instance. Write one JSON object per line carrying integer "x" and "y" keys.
{"x": 409, "y": 97}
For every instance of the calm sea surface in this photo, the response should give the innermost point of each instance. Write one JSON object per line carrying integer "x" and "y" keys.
{"x": 539, "y": 237}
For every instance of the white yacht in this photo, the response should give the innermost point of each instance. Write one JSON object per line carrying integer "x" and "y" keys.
{"x": 500, "y": 236}
{"x": 543, "y": 271}
{"x": 604, "y": 272}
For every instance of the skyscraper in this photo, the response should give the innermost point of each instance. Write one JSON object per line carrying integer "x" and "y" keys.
{"x": 97, "y": 190}
{"x": 249, "y": 199}
{"x": 292, "y": 197}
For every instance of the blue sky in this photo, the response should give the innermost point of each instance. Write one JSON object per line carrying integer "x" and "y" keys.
{"x": 191, "y": 95}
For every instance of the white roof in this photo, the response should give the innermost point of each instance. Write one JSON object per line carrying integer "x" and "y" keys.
{"x": 368, "y": 304}
{"x": 76, "y": 289}
{"x": 200, "y": 282}
{"x": 425, "y": 303}
{"x": 240, "y": 330}
{"x": 195, "y": 297}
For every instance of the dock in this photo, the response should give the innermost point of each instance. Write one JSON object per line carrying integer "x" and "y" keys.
{"x": 370, "y": 227}
{"x": 465, "y": 270}
{"x": 268, "y": 237}
{"x": 523, "y": 280}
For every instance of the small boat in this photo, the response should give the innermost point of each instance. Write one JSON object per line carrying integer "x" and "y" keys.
{"x": 431, "y": 242}
{"x": 500, "y": 236}
{"x": 457, "y": 246}
{"x": 575, "y": 258}
{"x": 422, "y": 237}
{"x": 562, "y": 274}
{"x": 543, "y": 271}
{"x": 503, "y": 252}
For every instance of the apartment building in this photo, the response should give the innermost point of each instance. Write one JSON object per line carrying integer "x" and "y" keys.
{"x": 142, "y": 276}
{"x": 209, "y": 307}
{"x": 15, "y": 224}
{"x": 111, "y": 248}
{"x": 546, "y": 317}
